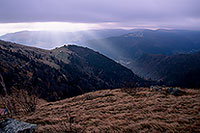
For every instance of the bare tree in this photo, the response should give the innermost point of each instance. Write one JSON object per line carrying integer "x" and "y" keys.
{"x": 2, "y": 84}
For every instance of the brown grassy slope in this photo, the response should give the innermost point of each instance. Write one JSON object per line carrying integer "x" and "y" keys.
{"x": 115, "y": 110}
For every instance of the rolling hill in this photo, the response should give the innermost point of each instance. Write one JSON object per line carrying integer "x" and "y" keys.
{"x": 61, "y": 72}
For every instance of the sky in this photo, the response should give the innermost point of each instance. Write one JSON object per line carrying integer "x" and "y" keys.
{"x": 74, "y": 15}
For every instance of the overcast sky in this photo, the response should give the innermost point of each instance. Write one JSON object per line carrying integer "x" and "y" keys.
{"x": 90, "y": 14}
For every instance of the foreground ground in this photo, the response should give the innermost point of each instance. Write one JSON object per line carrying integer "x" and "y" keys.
{"x": 144, "y": 110}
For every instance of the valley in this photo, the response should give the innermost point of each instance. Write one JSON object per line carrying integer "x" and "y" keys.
{"x": 167, "y": 56}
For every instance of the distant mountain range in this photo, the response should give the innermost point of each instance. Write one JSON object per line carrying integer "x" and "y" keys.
{"x": 167, "y": 55}
{"x": 132, "y": 45}
{"x": 50, "y": 39}
{"x": 62, "y": 72}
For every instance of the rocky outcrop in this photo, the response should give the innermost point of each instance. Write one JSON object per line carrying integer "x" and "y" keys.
{"x": 15, "y": 126}
{"x": 169, "y": 90}
{"x": 174, "y": 91}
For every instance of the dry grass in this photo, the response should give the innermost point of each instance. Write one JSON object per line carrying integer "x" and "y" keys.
{"x": 145, "y": 110}
{"x": 19, "y": 102}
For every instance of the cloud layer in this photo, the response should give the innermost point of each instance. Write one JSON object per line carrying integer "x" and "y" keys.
{"x": 123, "y": 13}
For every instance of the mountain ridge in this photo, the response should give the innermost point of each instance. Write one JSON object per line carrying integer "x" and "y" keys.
{"x": 62, "y": 72}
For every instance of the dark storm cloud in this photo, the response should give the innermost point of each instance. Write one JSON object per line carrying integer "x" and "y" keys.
{"x": 123, "y": 12}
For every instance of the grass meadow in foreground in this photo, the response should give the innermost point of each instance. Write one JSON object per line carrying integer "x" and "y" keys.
{"x": 119, "y": 110}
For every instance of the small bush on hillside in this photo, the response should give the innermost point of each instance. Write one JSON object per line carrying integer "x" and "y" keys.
{"x": 130, "y": 91}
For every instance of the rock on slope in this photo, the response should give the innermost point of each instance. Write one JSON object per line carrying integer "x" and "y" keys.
{"x": 15, "y": 126}
{"x": 61, "y": 72}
